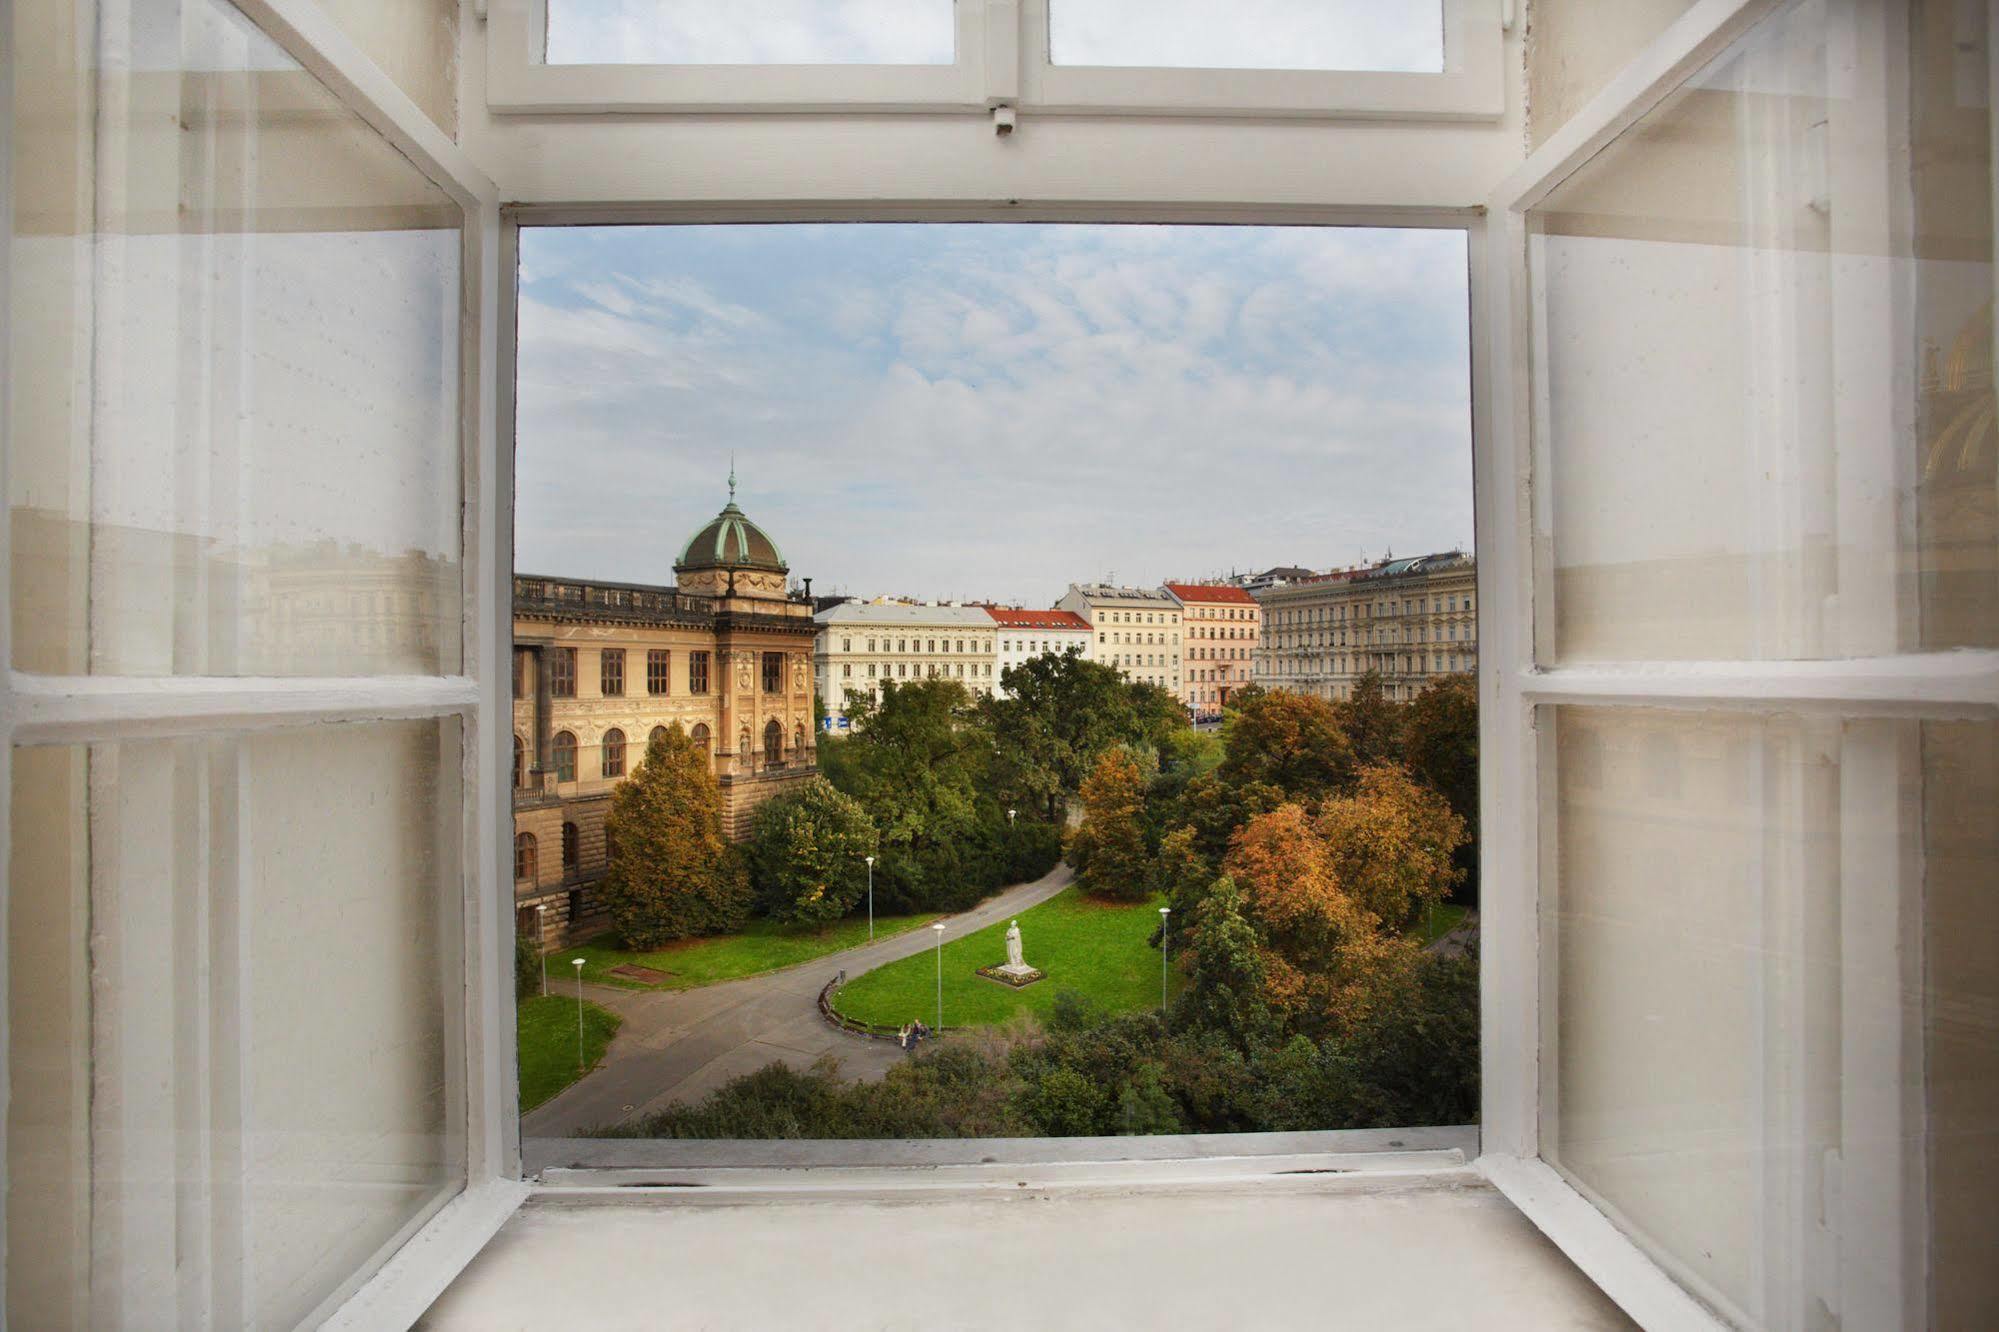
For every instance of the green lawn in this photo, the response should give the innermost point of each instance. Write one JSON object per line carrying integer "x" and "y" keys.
{"x": 1097, "y": 950}
{"x": 546, "y": 1040}
{"x": 761, "y": 946}
{"x": 1431, "y": 927}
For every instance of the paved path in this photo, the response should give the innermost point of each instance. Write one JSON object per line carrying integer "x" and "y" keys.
{"x": 679, "y": 1045}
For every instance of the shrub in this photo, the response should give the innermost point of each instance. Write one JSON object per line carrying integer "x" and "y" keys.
{"x": 527, "y": 967}
{"x": 808, "y": 852}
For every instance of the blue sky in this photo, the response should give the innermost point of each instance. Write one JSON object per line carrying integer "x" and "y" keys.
{"x": 992, "y": 411}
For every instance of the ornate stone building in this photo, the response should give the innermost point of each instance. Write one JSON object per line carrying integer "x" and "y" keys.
{"x": 599, "y": 667}
{"x": 1410, "y": 620}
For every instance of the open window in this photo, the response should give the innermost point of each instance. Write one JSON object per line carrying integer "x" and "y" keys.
{"x": 1742, "y": 673}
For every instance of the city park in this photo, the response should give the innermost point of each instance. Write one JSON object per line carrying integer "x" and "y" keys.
{"x": 1058, "y": 910}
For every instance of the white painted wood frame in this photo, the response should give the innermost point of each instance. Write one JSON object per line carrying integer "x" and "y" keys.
{"x": 45, "y": 710}
{"x": 1001, "y": 58}
{"x": 1516, "y": 779}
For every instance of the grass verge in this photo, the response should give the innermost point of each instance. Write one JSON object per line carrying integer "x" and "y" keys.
{"x": 1097, "y": 950}
{"x": 1435, "y": 924}
{"x": 761, "y": 946}
{"x": 545, "y": 1038}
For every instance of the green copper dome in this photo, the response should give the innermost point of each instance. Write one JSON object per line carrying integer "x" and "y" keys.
{"x": 731, "y": 541}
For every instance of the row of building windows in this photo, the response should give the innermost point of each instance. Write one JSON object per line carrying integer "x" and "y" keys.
{"x": 1364, "y": 610}
{"x": 1037, "y": 648}
{"x": 611, "y": 749}
{"x": 924, "y": 670}
{"x": 1422, "y": 633}
{"x": 1137, "y": 638}
{"x": 1457, "y": 661}
{"x": 1135, "y": 617}
{"x": 925, "y": 645}
{"x": 611, "y": 672}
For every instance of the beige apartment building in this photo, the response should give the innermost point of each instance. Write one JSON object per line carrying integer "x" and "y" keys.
{"x": 600, "y": 667}
{"x": 860, "y": 644}
{"x": 1223, "y": 625}
{"x": 1137, "y": 630}
{"x": 1411, "y": 620}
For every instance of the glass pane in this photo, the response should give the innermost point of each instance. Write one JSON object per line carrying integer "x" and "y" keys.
{"x": 234, "y": 324}
{"x": 751, "y": 32}
{"x": 234, "y": 1071}
{"x": 1407, "y": 36}
{"x": 1764, "y": 352}
{"x": 1772, "y": 947}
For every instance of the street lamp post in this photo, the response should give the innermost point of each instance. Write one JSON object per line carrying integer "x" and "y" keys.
{"x": 578, "y": 963}
{"x": 938, "y": 930}
{"x": 541, "y": 944}
{"x": 1163, "y": 913}
{"x": 871, "y": 899}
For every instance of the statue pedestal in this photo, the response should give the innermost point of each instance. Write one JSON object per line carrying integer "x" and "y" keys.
{"x": 1014, "y": 974}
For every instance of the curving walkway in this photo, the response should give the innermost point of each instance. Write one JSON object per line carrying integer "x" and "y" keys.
{"x": 679, "y": 1045}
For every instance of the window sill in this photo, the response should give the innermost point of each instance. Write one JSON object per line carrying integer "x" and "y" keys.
{"x": 1384, "y": 1247}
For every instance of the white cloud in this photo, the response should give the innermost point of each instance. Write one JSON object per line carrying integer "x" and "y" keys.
{"x": 959, "y": 411}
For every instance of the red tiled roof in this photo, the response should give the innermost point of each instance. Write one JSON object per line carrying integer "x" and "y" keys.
{"x": 1037, "y": 619}
{"x": 1211, "y": 592}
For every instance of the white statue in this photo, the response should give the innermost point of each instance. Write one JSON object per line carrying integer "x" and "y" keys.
{"x": 1014, "y": 959}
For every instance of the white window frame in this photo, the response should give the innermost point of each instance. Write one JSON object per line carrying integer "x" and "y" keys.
{"x": 1516, "y": 768}
{"x": 1001, "y": 60}
{"x": 47, "y": 710}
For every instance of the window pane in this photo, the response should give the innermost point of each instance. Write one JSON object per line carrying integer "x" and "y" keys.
{"x": 1771, "y": 1053}
{"x": 233, "y": 427}
{"x": 1765, "y": 352}
{"x": 1251, "y": 34}
{"x": 751, "y": 32}
{"x": 235, "y": 1068}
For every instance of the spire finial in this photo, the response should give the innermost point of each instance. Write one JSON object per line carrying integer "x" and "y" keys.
{"x": 732, "y": 476}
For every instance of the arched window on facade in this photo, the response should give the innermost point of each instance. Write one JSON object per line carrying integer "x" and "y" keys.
{"x": 570, "y": 846}
{"x": 773, "y": 743}
{"x": 524, "y": 863}
{"x": 564, "y": 750}
{"x": 701, "y": 735}
{"x": 614, "y": 753}
{"x": 520, "y": 763}
{"x": 658, "y": 733}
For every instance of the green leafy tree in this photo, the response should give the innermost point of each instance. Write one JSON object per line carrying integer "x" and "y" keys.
{"x": 1372, "y": 722}
{"x": 1217, "y": 809}
{"x": 918, "y": 761}
{"x": 1226, "y": 991}
{"x": 1058, "y": 714}
{"x": 671, "y": 873}
{"x": 1108, "y": 849}
{"x": 1292, "y": 741}
{"x": 1440, "y": 745}
{"x": 1145, "y": 1106}
{"x": 807, "y": 854}
{"x": 1183, "y": 875}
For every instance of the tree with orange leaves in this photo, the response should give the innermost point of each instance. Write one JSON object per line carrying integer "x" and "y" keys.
{"x": 1329, "y": 892}
{"x": 1108, "y": 850}
{"x": 1390, "y": 844}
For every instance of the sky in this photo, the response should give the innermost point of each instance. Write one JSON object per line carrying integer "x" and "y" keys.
{"x": 966, "y": 411}
{"x": 1242, "y": 34}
